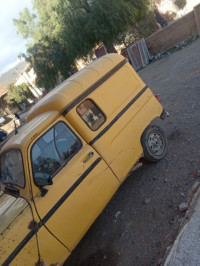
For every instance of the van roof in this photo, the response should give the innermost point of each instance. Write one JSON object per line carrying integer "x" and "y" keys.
{"x": 64, "y": 94}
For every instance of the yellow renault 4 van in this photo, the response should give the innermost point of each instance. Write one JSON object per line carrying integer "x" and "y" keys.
{"x": 64, "y": 165}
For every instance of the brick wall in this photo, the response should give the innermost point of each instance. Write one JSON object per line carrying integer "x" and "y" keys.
{"x": 178, "y": 31}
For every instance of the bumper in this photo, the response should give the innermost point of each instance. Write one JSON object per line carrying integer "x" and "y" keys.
{"x": 164, "y": 114}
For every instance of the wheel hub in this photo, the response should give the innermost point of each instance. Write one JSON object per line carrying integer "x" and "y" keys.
{"x": 155, "y": 143}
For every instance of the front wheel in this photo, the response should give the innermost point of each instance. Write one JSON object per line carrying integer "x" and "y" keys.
{"x": 154, "y": 144}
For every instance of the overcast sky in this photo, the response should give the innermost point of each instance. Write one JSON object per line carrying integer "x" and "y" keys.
{"x": 11, "y": 44}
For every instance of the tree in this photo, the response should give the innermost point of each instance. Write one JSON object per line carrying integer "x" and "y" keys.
{"x": 44, "y": 22}
{"x": 90, "y": 22}
{"x": 63, "y": 31}
{"x": 48, "y": 59}
{"x": 18, "y": 94}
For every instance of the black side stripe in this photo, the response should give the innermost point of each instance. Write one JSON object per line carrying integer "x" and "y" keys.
{"x": 50, "y": 213}
{"x": 93, "y": 87}
{"x": 69, "y": 192}
{"x": 19, "y": 247}
{"x": 118, "y": 116}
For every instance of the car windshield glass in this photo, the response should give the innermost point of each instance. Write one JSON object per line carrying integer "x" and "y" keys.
{"x": 12, "y": 171}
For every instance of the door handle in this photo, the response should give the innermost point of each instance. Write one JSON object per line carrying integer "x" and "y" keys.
{"x": 90, "y": 154}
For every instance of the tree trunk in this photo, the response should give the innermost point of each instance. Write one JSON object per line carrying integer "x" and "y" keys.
{"x": 110, "y": 47}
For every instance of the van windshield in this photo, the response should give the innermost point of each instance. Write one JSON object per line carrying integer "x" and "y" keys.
{"x": 11, "y": 168}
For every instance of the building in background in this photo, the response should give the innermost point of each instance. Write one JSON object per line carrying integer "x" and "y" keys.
{"x": 21, "y": 73}
{"x": 28, "y": 76}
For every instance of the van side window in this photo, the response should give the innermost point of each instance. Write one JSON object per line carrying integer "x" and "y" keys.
{"x": 91, "y": 114}
{"x": 52, "y": 151}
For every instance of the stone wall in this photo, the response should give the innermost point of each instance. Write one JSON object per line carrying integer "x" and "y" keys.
{"x": 197, "y": 17}
{"x": 182, "y": 29}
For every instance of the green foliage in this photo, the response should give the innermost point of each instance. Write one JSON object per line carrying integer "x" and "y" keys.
{"x": 66, "y": 30}
{"x": 89, "y": 22}
{"x": 36, "y": 27}
{"x": 18, "y": 94}
{"x": 143, "y": 28}
{"x": 48, "y": 59}
{"x": 26, "y": 24}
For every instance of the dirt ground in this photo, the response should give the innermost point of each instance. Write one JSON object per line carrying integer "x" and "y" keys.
{"x": 143, "y": 219}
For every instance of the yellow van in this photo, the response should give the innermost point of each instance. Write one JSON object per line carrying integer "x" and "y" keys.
{"x": 64, "y": 165}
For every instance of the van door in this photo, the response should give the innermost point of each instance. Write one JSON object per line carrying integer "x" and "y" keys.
{"x": 82, "y": 182}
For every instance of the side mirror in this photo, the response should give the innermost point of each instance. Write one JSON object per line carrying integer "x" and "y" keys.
{"x": 42, "y": 179}
{"x": 13, "y": 191}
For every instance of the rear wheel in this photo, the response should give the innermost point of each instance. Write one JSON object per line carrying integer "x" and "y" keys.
{"x": 154, "y": 144}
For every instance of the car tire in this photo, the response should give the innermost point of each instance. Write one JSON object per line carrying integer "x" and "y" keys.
{"x": 154, "y": 144}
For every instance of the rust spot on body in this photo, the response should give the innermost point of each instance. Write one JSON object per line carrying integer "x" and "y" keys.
{"x": 32, "y": 225}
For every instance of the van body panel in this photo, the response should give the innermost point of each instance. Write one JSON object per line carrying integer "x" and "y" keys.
{"x": 14, "y": 249}
{"x": 126, "y": 118}
{"x": 122, "y": 157}
{"x": 52, "y": 252}
{"x": 122, "y": 89}
{"x": 63, "y": 95}
{"x": 79, "y": 210}
{"x": 22, "y": 233}
{"x": 79, "y": 192}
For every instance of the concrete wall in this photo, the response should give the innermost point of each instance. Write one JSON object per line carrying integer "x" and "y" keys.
{"x": 178, "y": 31}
